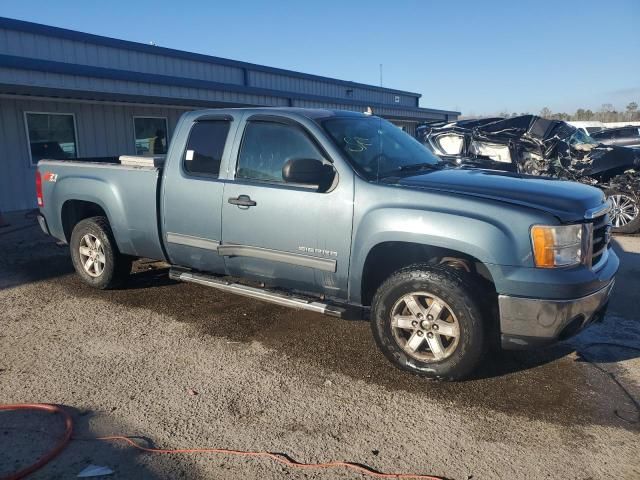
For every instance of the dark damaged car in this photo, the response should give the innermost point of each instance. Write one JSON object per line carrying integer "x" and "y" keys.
{"x": 536, "y": 146}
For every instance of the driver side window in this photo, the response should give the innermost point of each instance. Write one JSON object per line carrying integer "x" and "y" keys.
{"x": 267, "y": 146}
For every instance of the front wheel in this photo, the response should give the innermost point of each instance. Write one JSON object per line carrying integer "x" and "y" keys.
{"x": 95, "y": 254}
{"x": 425, "y": 321}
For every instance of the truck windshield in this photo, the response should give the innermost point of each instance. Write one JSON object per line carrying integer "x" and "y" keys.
{"x": 376, "y": 148}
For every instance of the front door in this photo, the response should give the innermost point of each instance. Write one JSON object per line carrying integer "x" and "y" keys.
{"x": 292, "y": 236}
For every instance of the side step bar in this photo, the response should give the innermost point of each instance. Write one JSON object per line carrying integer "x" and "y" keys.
{"x": 257, "y": 293}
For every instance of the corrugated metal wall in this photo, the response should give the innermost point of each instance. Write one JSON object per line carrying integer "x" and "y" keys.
{"x": 102, "y": 130}
{"x": 327, "y": 89}
{"x": 47, "y": 47}
{"x": 31, "y": 45}
{"x": 409, "y": 127}
{"x": 93, "y": 84}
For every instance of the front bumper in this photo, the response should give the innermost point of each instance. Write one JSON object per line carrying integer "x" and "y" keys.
{"x": 531, "y": 322}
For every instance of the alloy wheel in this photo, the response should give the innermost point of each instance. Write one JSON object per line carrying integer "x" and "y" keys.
{"x": 92, "y": 255}
{"x": 425, "y": 327}
{"x": 624, "y": 209}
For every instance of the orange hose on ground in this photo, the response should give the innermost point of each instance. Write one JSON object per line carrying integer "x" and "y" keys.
{"x": 278, "y": 457}
{"x": 45, "y": 407}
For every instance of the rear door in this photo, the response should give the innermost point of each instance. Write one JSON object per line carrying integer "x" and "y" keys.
{"x": 192, "y": 194}
{"x": 292, "y": 236}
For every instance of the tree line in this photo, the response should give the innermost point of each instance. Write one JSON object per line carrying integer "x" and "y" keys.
{"x": 606, "y": 113}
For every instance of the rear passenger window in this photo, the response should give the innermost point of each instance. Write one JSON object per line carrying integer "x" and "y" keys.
{"x": 267, "y": 146}
{"x": 205, "y": 147}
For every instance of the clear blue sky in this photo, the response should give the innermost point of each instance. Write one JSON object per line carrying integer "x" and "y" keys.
{"x": 480, "y": 57}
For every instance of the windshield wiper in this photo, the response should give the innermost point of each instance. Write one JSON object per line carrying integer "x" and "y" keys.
{"x": 419, "y": 166}
{"x": 415, "y": 167}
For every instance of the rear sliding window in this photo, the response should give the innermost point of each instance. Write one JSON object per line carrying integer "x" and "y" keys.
{"x": 205, "y": 147}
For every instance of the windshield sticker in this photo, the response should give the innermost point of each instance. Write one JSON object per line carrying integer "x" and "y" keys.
{"x": 357, "y": 144}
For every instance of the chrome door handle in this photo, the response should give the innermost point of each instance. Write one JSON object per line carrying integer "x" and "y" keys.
{"x": 242, "y": 201}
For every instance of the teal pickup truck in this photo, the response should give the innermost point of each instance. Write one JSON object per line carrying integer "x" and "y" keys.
{"x": 344, "y": 214}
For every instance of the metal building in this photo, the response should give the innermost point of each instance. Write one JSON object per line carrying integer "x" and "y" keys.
{"x": 65, "y": 93}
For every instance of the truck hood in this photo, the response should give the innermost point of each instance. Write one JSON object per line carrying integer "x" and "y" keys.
{"x": 566, "y": 200}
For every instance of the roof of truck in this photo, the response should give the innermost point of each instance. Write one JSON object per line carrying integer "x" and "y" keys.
{"x": 312, "y": 113}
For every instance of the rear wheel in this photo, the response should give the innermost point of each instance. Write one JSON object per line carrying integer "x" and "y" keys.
{"x": 426, "y": 321}
{"x": 625, "y": 211}
{"x": 95, "y": 254}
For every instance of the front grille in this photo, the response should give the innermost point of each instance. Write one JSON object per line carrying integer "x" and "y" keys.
{"x": 601, "y": 234}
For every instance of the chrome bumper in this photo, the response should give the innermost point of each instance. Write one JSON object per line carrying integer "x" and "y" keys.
{"x": 529, "y": 322}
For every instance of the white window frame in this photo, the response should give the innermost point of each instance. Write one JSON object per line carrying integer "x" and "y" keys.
{"x": 166, "y": 125}
{"x": 26, "y": 130}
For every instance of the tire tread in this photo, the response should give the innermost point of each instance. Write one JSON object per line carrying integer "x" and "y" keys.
{"x": 449, "y": 279}
{"x": 117, "y": 275}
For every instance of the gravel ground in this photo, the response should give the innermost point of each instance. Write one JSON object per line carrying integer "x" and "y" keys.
{"x": 313, "y": 387}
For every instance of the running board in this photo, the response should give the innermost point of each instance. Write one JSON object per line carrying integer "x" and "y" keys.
{"x": 257, "y": 293}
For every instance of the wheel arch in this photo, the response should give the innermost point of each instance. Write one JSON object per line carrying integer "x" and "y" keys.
{"x": 74, "y": 211}
{"x": 387, "y": 257}
{"x": 81, "y": 198}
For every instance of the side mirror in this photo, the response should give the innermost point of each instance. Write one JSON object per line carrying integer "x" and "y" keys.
{"x": 306, "y": 171}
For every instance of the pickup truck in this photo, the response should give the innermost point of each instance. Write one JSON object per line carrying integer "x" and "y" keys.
{"x": 344, "y": 214}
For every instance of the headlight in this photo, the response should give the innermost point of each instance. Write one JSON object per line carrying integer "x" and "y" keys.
{"x": 559, "y": 246}
{"x": 450, "y": 144}
{"x": 495, "y": 151}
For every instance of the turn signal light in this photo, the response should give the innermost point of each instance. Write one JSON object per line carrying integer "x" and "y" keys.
{"x": 557, "y": 246}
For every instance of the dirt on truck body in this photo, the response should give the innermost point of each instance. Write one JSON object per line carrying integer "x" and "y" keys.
{"x": 533, "y": 145}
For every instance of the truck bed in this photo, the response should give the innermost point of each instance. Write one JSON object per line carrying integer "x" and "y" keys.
{"x": 128, "y": 195}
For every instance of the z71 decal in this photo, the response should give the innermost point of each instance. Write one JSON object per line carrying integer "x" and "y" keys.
{"x": 50, "y": 177}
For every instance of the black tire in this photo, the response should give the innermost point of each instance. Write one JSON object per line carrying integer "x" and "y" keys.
{"x": 632, "y": 226}
{"x": 116, "y": 266}
{"x": 452, "y": 288}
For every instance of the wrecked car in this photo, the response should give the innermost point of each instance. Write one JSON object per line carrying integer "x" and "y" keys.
{"x": 536, "y": 146}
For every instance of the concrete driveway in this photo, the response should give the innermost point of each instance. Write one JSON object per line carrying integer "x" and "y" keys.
{"x": 274, "y": 379}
